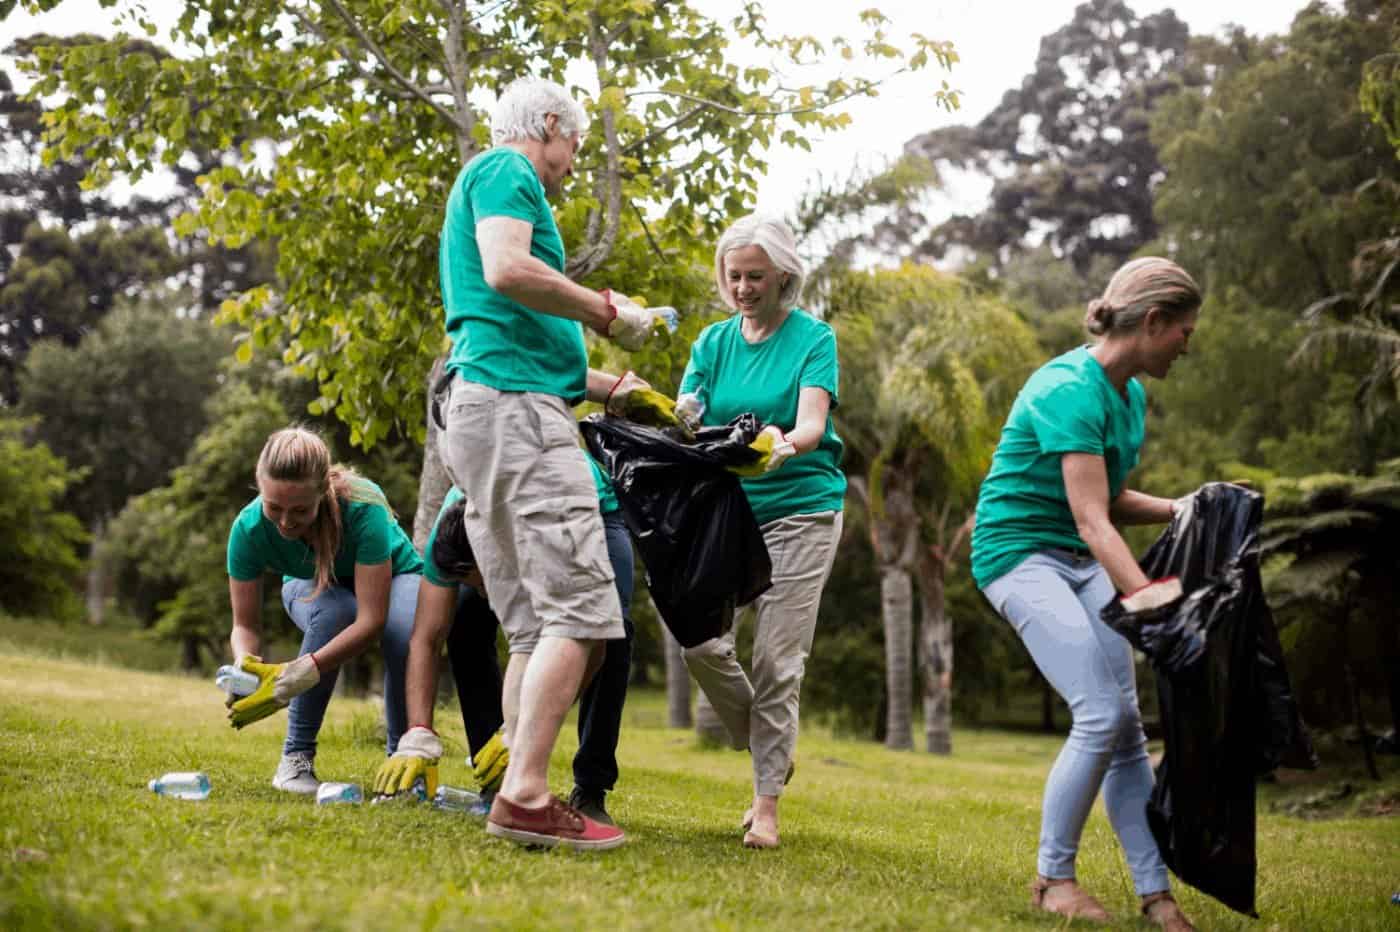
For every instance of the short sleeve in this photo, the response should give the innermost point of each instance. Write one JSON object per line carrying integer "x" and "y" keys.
{"x": 430, "y": 570}
{"x": 505, "y": 187}
{"x": 370, "y": 525}
{"x": 243, "y": 561}
{"x": 696, "y": 379}
{"x": 821, "y": 369}
{"x": 1068, "y": 419}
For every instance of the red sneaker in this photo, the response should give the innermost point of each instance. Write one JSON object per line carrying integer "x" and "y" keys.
{"x": 554, "y": 823}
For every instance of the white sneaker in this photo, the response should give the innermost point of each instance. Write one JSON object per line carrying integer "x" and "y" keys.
{"x": 295, "y": 774}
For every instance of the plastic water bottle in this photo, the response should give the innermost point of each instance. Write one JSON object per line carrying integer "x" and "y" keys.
{"x": 181, "y": 786}
{"x": 668, "y": 316}
{"x": 234, "y": 681}
{"x": 454, "y": 799}
{"x": 331, "y": 794}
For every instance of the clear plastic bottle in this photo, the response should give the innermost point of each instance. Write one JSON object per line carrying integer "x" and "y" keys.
{"x": 454, "y": 799}
{"x": 193, "y": 785}
{"x": 234, "y": 681}
{"x": 669, "y": 316}
{"x": 330, "y": 794}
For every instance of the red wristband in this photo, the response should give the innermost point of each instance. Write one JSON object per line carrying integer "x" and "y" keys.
{"x": 312, "y": 655}
{"x": 608, "y": 400}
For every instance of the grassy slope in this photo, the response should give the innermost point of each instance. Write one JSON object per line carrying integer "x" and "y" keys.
{"x": 871, "y": 838}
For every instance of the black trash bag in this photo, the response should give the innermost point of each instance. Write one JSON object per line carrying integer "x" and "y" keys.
{"x": 1228, "y": 710}
{"x": 702, "y": 548}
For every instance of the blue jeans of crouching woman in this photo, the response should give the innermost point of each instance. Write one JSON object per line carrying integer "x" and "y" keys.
{"x": 1053, "y": 599}
{"x": 320, "y": 620}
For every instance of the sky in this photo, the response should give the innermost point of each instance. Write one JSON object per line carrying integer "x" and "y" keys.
{"x": 996, "y": 41}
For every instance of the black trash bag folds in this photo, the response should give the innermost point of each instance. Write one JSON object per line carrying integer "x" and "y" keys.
{"x": 703, "y": 551}
{"x": 1228, "y": 710}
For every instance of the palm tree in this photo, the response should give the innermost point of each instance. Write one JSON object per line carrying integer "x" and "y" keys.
{"x": 929, "y": 368}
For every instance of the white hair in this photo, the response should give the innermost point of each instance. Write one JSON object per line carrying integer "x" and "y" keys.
{"x": 524, "y": 104}
{"x": 776, "y": 240}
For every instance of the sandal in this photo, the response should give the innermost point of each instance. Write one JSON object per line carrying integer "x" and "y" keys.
{"x": 1161, "y": 909}
{"x": 1072, "y": 901}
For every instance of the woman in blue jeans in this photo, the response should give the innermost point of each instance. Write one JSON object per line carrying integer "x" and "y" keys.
{"x": 1048, "y": 557}
{"x": 350, "y": 578}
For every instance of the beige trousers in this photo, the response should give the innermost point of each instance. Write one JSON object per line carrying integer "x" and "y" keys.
{"x": 761, "y": 712}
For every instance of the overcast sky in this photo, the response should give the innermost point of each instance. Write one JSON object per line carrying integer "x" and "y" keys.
{"x": 997, "y": 41}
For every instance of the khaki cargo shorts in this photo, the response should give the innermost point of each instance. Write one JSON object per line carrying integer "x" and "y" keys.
{"x": 531, "y": 514}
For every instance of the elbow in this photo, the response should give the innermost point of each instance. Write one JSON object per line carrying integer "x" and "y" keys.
{"x": 1096, "y": 533}
{"x": 503, "y": 277}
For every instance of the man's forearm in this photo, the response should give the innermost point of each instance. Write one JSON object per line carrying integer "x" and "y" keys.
{"x": 531, "y": 282}
{"x": 420, "y": 686}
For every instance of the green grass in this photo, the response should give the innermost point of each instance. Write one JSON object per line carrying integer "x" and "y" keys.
{"x": 871, "y": 838}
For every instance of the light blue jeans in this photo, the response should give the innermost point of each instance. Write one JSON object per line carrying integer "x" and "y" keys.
{"x": 320, "y": 620}
{"x": 1053, "y": 599}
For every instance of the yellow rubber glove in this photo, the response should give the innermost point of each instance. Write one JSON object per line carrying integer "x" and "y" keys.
{"x": 278, "y": 685}
{"x": 489, "y": 764}
{"x": 773, "y": 449}
{"x": 416, "y": 758}
{"x": 650, "y": 407}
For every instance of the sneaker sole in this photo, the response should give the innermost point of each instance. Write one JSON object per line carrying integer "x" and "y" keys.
{"x": 539, "y": 840}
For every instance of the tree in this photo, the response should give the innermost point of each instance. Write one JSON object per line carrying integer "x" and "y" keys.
{"x": 1276, "y": 175}
{"x": 124, "y": 405}
{"x": 38, "y": 551}
{"x": 1069, "y": 150}
{"x": 72, "y": 253}
{"x": 929, "y": 370}
{"x": 371, "y": 111}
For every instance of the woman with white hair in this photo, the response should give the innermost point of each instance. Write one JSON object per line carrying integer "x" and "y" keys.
{"x": 777, "y": 361}
{"x": 1047, "y": 555}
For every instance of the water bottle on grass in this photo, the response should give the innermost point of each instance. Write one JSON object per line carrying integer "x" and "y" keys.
{"x": 454, "y": 799}
{"x": 330, "y": 794}
{"x": 194, "y": 785}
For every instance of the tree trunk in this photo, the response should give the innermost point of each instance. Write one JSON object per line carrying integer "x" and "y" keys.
{"x": 935, "y": 657}
{"x": 97, "y": 572}
{"x": 897, "y": 610}
{"x": 707, "y": 722}
{"x": 433, "y": 482}
{"x": 677, "y": 683}
{"x": 189, "y": 652}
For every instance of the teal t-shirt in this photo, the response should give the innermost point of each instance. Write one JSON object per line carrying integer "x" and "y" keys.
{"x": 607, "y": 501}
{"x": 1067, "y": 406}
{"x": 733, "y": 376}
{"x": 369, "y": 535}
{"x": 496, "y": 341}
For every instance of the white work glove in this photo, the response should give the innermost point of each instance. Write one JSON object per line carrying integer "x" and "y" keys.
{"x": 1155, "y": 594}
{"x": 690, "y": 409}
{"x": 632, "y": 325}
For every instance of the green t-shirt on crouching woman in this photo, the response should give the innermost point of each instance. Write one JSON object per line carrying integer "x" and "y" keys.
{"x": 369, "y": 535}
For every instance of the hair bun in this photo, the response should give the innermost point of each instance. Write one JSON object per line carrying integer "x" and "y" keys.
{"x": 1099, "y": 318}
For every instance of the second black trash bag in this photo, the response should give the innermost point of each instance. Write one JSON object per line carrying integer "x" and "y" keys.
{"x": 703, "y": 551}
{"x": 1228, "y": 712}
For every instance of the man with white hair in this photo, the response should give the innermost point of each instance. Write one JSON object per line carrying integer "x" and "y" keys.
{"x": 518, "y": 365}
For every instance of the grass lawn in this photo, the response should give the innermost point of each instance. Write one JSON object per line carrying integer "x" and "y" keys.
{"x": 871, "y": 838}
